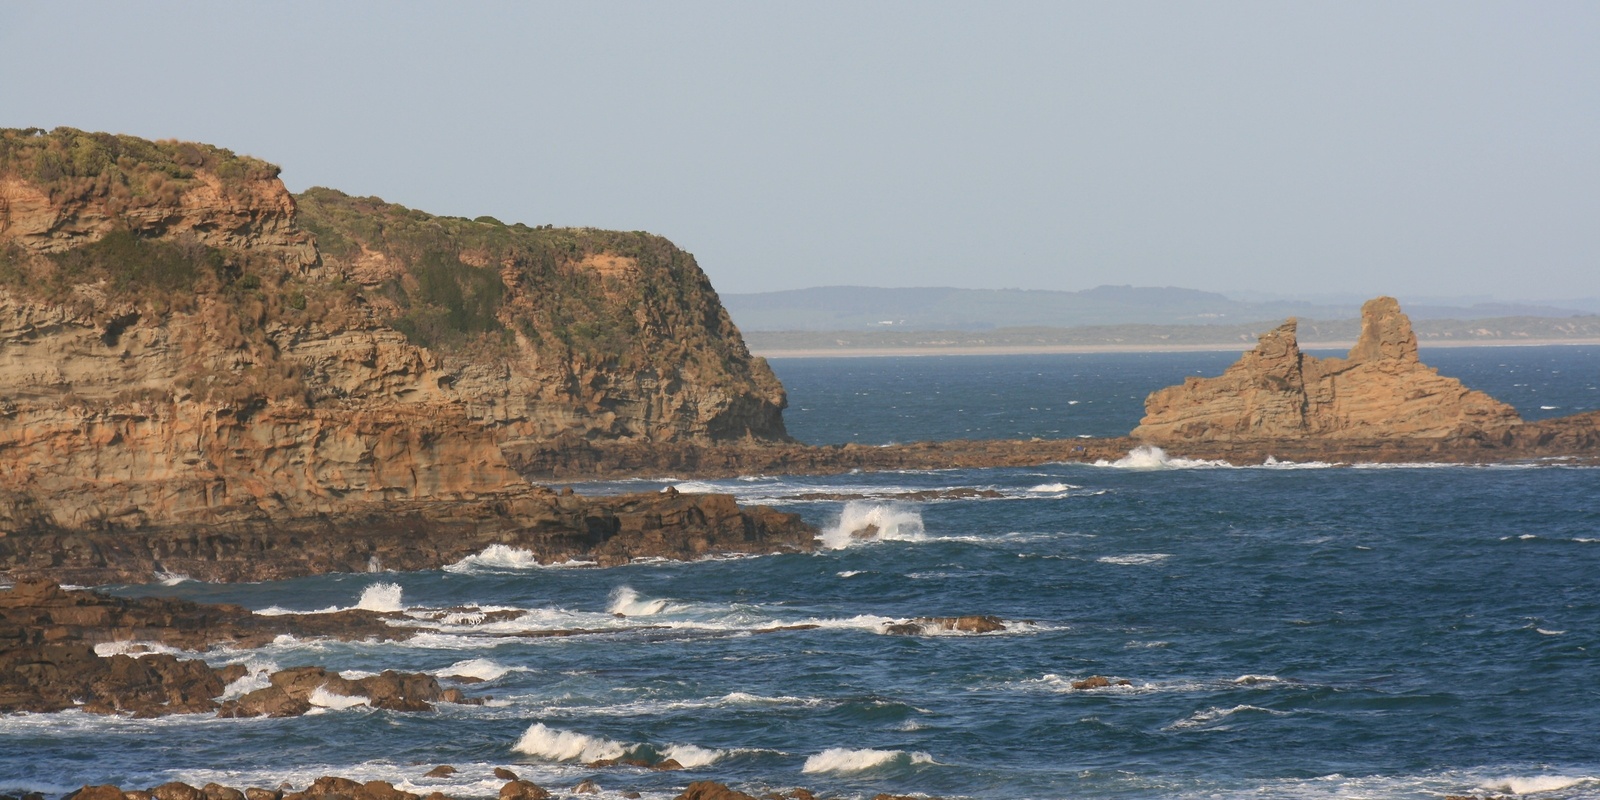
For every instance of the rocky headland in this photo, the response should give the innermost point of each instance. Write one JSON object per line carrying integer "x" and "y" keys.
{"x": 206, "y": 374}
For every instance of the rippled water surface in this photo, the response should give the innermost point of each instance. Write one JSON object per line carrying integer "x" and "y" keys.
{"x": 1290, "y": 631}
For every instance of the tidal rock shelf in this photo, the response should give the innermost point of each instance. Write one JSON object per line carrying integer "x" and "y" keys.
{"x": 549, "y": 527}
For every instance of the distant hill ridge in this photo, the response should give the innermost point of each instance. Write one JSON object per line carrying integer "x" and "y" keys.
{"x": 865, "y": 308}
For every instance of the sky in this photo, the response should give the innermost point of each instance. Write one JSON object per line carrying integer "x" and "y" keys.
{"x": 1440, "y": 149}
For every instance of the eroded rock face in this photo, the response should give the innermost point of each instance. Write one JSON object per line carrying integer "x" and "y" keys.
{"x": 1275, "y": 392}
{"x": 178, "y": 347}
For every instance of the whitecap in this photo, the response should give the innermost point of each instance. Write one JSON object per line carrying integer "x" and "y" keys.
{"x": 381, "y": 597}
{"x": 860, "y": 522}
{"x": 1135, "y": 559}
{"x": 1052, "y": 488}
{"x": 558, "y": 745}
{"x": 841, "y": 759}
{"x": 1216, "y": 714}
{"x": 1548, "y": 633}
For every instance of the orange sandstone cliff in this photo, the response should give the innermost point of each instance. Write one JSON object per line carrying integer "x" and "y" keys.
{"x": 182, "y": 341}
{"x": 1380, "y": 391}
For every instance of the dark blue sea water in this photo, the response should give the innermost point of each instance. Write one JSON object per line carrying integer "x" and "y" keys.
{"x": 1308, "y": 630}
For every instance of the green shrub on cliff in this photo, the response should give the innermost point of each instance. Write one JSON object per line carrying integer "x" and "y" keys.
{"x": 69, "y": 163}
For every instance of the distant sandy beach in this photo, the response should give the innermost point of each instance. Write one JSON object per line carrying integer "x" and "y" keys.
{"x": 1029, "y": 350}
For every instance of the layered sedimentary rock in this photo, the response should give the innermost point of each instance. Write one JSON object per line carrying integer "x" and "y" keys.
{"x": 1380, "y": 391}
{"x": 183, "y": 342}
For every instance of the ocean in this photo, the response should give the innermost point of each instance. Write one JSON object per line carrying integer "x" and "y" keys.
{"x": 1295, "y": 630}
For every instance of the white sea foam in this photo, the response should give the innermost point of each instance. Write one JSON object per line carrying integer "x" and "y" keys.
{"x": 135, "y": 649}
{"x": 1216, "y": 714}
{"x": 558, "y": 745}
{"x": 171, "y": 578}
{"x": 1548, "y": 633}
{"x": 627, "y": 602}
{"x": 850, "y": 573}
{"x": 481, "y": 668}
{"x": 1135, "y": 559}
{"x": 1052, "y": 488}
{"x": 258, "y": 676}
{"x": 1148, "y": 457}
{"x": 506, "y": 557}
{"x": 841, "y": 759}
{"x": 698, "y": 487}
{"x": 691, "y": 756}
{"x": 860, "y": 522}
{"x": 322, "y": 698}
{"x": 381, "y": 597}
{"x": 1538, "y": 784}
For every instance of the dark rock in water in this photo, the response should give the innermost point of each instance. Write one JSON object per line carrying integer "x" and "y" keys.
{"x": 609, "y": 530}
{"x": 441, "y": 771}
{"x": 973, "y": 623}
{"x": 586, "y": 787}
{"x": 523, "y": 790}
{"x": 504, "y": 774}
{"x": 257, "y": 793}
{"x": 711, "y": 790}
{"x": 48, "y": 662}
{"x": 1099, "y": 682}
{"x": 292, "y": 691}
{"x": 667, "y": 765}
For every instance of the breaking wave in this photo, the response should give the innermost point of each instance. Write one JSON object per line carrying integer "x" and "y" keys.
{"x": 841, "y": 759}
{"x": 558, "y": 745}
{"x": 553, "y": 744}
{"x": 506, "y": 557}
{"x": 626, "y": 602}
{"x": 1149, "y": 457}
{"x": 381, "y": 597}
{"x": 860, "y": 522}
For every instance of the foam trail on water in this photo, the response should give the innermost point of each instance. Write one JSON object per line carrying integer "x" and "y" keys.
{"x": 381, "y": 597}
{"x": 842, "y": 759}
{"x": 860, "y": 521}
{"x": 559, "y": 745}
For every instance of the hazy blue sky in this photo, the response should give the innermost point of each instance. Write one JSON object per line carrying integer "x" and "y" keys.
{"x": 1439, "y": 148}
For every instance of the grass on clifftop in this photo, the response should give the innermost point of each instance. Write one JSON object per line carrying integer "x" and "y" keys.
{"x": 129, "y": 171}
{"x": 456, "y": 289}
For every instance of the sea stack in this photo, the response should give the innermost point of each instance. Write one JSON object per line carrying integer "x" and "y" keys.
{"x": 1380, "y": 391}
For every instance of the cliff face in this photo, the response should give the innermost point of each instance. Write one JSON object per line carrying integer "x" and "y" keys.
{"x": 1275, "y": 392}
{"x": 175, "y": 347}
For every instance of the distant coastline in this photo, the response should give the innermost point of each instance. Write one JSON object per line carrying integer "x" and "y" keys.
{"x": 1032, "y": 350}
